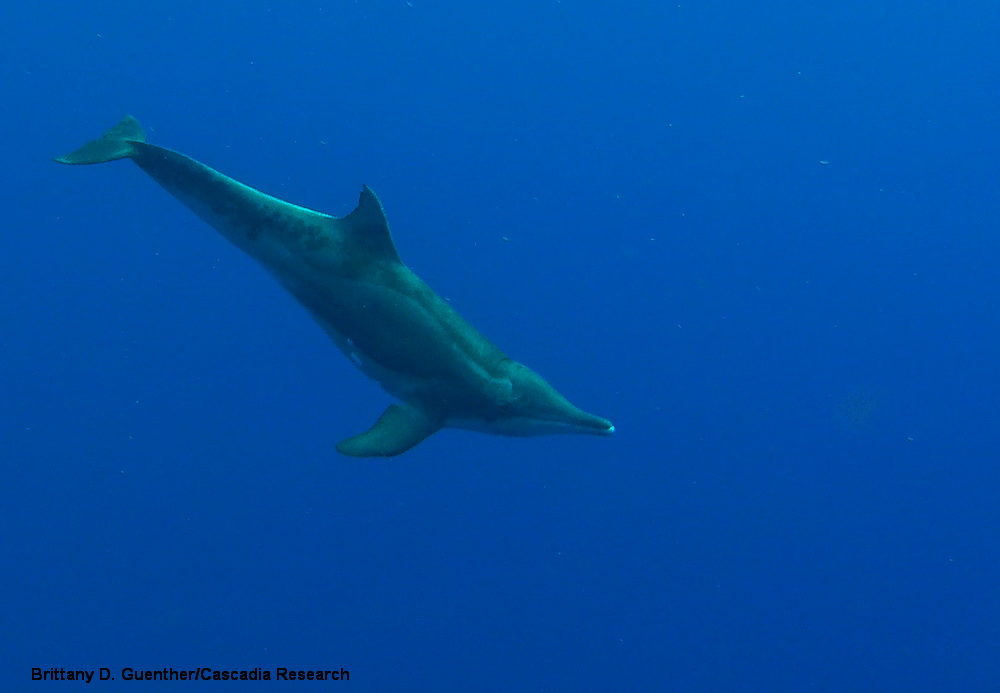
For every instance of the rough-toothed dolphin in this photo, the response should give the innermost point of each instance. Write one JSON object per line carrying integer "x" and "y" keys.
{"x": 347, "y": 274}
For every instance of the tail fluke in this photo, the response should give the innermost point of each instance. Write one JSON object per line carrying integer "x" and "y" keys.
{"x": 116, "y": 143}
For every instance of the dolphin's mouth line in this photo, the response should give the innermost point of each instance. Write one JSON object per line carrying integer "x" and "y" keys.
{"x": 527, "y": 426}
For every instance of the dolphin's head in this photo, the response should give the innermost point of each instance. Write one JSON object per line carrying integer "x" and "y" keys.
{"x": 530, "y": 406}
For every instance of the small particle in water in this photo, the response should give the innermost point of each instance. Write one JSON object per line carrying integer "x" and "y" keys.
{"x": 824, "y": 162}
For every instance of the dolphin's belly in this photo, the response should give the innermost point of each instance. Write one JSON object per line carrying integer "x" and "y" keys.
{"x": 406, "y": 386}
{"x": 395, "y": 339}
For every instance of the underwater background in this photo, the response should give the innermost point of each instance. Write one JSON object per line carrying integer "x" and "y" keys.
{"x": 762, "y": 238}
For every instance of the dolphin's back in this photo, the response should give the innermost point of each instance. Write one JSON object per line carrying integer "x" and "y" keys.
{"x": 241, "y": 213}
{"x": 345, "y": 271}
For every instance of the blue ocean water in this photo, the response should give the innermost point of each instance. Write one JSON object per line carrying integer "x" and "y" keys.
{"x": 759, "y": 237}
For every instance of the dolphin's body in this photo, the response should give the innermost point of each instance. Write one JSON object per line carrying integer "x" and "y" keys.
{"x": 347, "y": 274}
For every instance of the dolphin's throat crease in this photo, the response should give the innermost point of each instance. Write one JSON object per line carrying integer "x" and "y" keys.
{"x": 347, "y": 274}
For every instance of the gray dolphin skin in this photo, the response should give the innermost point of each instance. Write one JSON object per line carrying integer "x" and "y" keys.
{"x": 346, "y": 272}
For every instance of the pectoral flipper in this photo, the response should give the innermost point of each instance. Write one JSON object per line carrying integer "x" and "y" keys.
{"x": 400, "y": 427}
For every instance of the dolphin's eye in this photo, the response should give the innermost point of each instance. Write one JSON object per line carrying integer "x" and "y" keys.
{"x": 500, "y": 391}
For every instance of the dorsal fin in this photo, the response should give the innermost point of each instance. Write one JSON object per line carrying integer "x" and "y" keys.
{"x": 368, "y": 228}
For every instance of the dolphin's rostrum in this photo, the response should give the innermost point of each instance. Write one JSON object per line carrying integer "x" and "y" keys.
{"x": 347, "y": 274}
